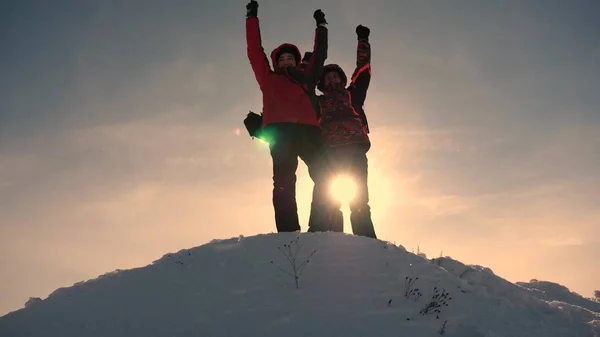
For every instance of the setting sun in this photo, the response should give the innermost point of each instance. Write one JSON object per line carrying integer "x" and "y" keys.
{"x": 343, "y": 189}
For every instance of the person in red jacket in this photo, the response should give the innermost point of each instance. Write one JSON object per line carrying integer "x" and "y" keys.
{"x": 344, "y": 130}
{"x": 254, "y": 122}
{"x": 289, "y": 120}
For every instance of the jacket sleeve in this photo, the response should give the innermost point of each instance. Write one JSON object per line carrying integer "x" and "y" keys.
{"x": 310, "y": 74}
{"x": 361, "y": 78}
{"x": 317, "y": 61}
{"x": 256, "y": 53}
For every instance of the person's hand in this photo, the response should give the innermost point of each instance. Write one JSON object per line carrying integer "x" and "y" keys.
{"x": 362, "y": 32}
{"x": 252, "y": 9}
{"x": 307, "y": 56}
{"x": 319, "y": 17}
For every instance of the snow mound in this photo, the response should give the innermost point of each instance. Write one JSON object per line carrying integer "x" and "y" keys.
{"x": 32, "y": 301}
{"x": 351, "y": 286}
{"x": 550, "y": 291}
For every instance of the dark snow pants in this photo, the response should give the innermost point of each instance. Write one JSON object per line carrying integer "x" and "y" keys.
{"x": 287, "y": 143}
{"x": 350, "y": 160}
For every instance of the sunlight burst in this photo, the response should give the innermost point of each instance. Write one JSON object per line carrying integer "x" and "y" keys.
{"x": 343, "y": 189}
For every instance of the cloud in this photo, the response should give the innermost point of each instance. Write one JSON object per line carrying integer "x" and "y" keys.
{"x": 564, "y": 241}
{"x": 445, "y": 205}
{"x": 13, "y": 165}
{"x": 99, "y": 163}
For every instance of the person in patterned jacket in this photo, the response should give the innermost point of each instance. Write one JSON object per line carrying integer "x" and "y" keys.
{"x": 345, "y": 132}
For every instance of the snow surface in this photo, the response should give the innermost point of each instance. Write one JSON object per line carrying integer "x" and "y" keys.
{"x": 550, "y": 291}
{"x": 352, "y": 286}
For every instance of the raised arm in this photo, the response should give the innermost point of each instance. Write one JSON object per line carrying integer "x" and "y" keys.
{"x": 361, "y": 78}
{"x": 256, "y": 53}
{"x": 316, "y": 60}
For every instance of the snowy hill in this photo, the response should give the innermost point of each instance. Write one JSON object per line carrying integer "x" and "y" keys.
{"x": 550, "y": 291}
{"x": 352, "y": 286}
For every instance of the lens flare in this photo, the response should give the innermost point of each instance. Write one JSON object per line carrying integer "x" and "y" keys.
{"x": 343, "y": 189}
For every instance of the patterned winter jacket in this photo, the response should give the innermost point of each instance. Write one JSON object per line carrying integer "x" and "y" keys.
{"x": 343, "y": 120}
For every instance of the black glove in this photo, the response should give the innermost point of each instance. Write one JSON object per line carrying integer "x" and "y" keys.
{"x": 362, "y": 32}
{"x": 319, "y": 17}
{"x": 307, "y": 56}
{"x": 252, "y": 9}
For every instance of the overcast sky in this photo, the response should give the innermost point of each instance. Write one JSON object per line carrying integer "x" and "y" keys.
{"x": 121, "y": 135}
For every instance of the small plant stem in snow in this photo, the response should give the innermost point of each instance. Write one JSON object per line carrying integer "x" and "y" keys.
{"x": 290, "y": 252}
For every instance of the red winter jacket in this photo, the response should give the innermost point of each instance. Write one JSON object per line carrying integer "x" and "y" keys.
{"x": 284, "y": 99}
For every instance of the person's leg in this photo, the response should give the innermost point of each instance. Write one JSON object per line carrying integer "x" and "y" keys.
{"x": 360, "y": 216}
{"x": 285, "y": 162}
{"x": 336, "y": 216}
{"x": 329, "y": 209}
{"x": 321, "y": 216}
{"x": 335, "y": 168}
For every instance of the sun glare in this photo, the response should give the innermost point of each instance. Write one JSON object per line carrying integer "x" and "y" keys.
{"x": 343, "y": 189}
{"x": 383, "y": 196}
